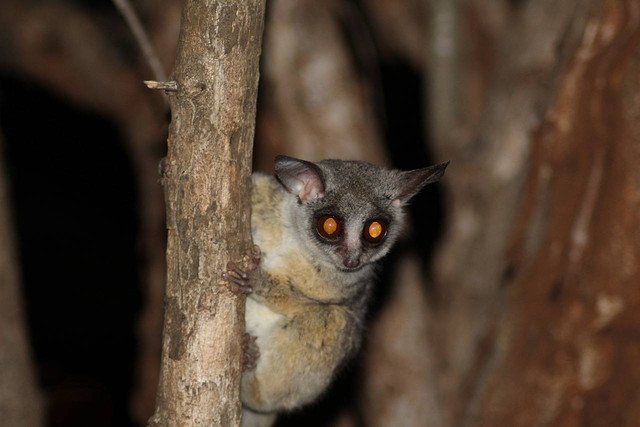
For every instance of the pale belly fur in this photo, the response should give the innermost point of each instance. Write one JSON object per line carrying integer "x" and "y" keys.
{"x": 261, "y": 321}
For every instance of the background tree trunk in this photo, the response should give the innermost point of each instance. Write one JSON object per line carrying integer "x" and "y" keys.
{"x": 20, "y": 400}
{"x": 316, "y": 105}
{"x": 207, "y": 181}
{"x": 88, "y": 68}
{"x": 571, "y": 345}
{"x": 534, "y": 286}
{"x": 530, "y": 50}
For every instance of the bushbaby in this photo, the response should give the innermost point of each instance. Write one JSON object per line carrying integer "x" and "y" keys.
{"x": 319, "y": 228}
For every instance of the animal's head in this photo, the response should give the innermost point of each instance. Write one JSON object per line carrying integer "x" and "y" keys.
{"x": 350, "y": 213}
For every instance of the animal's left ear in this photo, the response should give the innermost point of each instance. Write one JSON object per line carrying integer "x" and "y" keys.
{"x": 411, "y": 182}
{"x": 299, "y": 177}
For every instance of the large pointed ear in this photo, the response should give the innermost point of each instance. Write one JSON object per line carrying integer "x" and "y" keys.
{"x": 411, "y": 182}
{"x": 299, "y": 177}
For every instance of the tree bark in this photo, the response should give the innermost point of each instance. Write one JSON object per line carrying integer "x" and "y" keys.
{"x": 207, "y": 190}
{"x": 317, "y": 106}
{"x": 490, "y": 148}
{"x": 532, "y": 324}
{"x": 20, "y": 399}
{"x": 568, "y": 342}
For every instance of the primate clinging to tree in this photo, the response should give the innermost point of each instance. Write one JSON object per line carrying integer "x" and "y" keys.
{"x": 319, "y": 230}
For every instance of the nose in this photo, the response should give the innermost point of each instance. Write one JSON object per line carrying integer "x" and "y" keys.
{"x": 352, "y": 262}
{"x": 350, "y": 254}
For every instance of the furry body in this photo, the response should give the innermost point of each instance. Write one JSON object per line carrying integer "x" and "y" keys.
{"x": 307, "y": 316}
{"x": 307, "y": 301}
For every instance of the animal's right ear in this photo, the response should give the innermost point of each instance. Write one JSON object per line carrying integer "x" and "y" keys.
{"x": 411, "y": 182}
{"x": 299, "y": 177}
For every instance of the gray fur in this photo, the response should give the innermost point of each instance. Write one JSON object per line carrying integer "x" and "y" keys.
{"x": 356, "y": 192}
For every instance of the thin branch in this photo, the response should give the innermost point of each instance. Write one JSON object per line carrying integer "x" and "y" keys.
{"x": 171, "y": 86}
{"x": 130, "y": 16}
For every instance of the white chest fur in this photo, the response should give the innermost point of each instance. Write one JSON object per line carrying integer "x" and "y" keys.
{"x": 261, "y": 321}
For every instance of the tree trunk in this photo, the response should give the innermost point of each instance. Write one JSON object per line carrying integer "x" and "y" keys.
{"x": 207, "y": 183}
{"x": 489, "y": 150}
{"x": 316, "y": 105}
{"x": 568, "y": 356}
{"x": 20, "y": 400}
{"x": 537, "y": 275}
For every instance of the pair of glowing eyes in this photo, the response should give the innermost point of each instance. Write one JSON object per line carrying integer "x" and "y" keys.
{"x": 330, "y": 227}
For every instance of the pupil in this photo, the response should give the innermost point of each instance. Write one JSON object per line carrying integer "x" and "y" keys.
{"x": 375, "y": 229}
{"x": 330, "y": 225}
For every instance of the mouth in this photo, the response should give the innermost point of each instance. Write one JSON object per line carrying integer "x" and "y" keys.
{"x": 350, "y": 269}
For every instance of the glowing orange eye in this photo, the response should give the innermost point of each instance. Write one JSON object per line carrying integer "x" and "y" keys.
{"x": 329, "y": 226}
{"x": 374, "y": 231}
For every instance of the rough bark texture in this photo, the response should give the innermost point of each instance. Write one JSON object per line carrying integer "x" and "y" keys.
{"x": 207, "y": 183}
{"x": 163, "y": 24}
{"x": 20, "y": 400}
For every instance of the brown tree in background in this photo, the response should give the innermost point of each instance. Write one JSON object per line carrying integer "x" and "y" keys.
{"x": 20, "y": 400}
{"x": 530, "y": 321}
{"x": 87, "y": 68}
{"x": 316, "y": 105}
{"x": 537, "y": 297}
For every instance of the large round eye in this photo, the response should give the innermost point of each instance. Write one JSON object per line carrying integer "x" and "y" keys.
{"x": 329, "y": 226}
{"x": 374, "y": 231}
